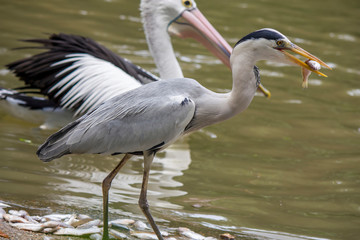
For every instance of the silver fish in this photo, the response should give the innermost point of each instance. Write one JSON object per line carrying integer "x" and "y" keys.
{"x": 89, "y": 224}
{"x": 306, "y": 72}
{"x": 34, "y": 227}
{"x": 57, "y": 217}
{"x": 77, "y": 232}
{"x": 144, "y": 235}
{"x": 14, "y": 219}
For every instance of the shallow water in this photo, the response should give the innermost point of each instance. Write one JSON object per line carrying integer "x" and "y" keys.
{"x": 286, "y": 168}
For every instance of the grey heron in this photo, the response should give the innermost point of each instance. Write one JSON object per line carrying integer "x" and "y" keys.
{"x": 148, "y": 119}
{"x": 78, "y": 74}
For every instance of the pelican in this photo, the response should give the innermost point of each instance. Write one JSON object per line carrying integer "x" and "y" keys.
{"x": 78, "y": 74}
{"x": 148, "y": 119}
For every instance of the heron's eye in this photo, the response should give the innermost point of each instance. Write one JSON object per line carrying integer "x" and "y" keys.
{"x": 280, "y": 43}
{"x": 187, "y": 3}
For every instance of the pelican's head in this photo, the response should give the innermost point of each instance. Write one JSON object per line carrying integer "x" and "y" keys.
{"x": 182, "y": 18}
{"x": 269, "y": 44}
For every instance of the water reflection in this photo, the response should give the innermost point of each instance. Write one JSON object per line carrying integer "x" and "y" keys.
{"x": 84, "y": 179}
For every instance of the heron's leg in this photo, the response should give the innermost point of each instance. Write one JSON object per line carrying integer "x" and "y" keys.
{"x": 148, "y": 158}
{"x": 106, "y": 184}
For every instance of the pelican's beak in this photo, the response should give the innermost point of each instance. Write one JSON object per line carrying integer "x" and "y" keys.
{"x": 296, "y": 49}
{"x": 191, "y": 23}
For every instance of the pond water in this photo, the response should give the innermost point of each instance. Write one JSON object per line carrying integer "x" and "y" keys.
{"x": 286, "y": 168}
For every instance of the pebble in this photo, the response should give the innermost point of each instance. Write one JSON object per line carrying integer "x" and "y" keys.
{"x": 95, "y": 236}
{"x": 117, "y": 235}
{"x": 139, "y": 225}
{"x": 123, "y": 221}
{"x": 227, "y": 236}
{"x": 190, "y": 234}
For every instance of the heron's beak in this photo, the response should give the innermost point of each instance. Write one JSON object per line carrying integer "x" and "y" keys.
{"x": 192, "y": 23}
{"x": 296, "y": 49}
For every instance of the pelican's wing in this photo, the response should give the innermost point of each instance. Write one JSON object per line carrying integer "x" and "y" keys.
{"x": 128, "y": 123}
{"x": 77, "y": 73}
{"x": 34, "y": 103}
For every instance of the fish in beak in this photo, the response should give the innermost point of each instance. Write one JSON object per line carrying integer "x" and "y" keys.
{"x": 312, "y": 64}
{"x": 191, "y": 23}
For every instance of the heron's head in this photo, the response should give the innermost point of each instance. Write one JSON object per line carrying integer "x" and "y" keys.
{"x": 269, "y": 44}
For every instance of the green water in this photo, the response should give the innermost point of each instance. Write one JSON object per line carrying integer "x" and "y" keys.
{"x": 286, "y": 168}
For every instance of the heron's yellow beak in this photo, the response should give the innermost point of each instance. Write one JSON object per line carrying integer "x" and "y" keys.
{"x": 296, "y": 49}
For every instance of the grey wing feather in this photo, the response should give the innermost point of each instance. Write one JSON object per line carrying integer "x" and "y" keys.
{"x": 131, "y": 122}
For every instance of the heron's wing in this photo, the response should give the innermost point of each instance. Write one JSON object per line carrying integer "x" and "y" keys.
{"x": 136, "y": 126}
{"x": 77, "y": 73}
{"x": 130, "y": 123}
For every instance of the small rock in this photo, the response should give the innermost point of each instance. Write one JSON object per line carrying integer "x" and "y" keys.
{"x": 117, "y": 235}
{"x": 95, "y": 236}
{"x": 190, "y": 234}
{"x": 123, "y": 221}
{"x": 4, "y": 235}
{"x": 227, "y": 236}
{"x": 197, "y": 205}
{"x": 139, "y": 225}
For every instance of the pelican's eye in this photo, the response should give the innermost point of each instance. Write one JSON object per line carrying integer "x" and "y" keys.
{"x": 280, "y": 43}
{"x": 187, "y": 3}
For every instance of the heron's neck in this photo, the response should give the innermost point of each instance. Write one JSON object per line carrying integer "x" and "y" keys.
{"x": 160, "y": 46}
{"x": 216, "y": 107}
{"x": 245, "y": 82}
